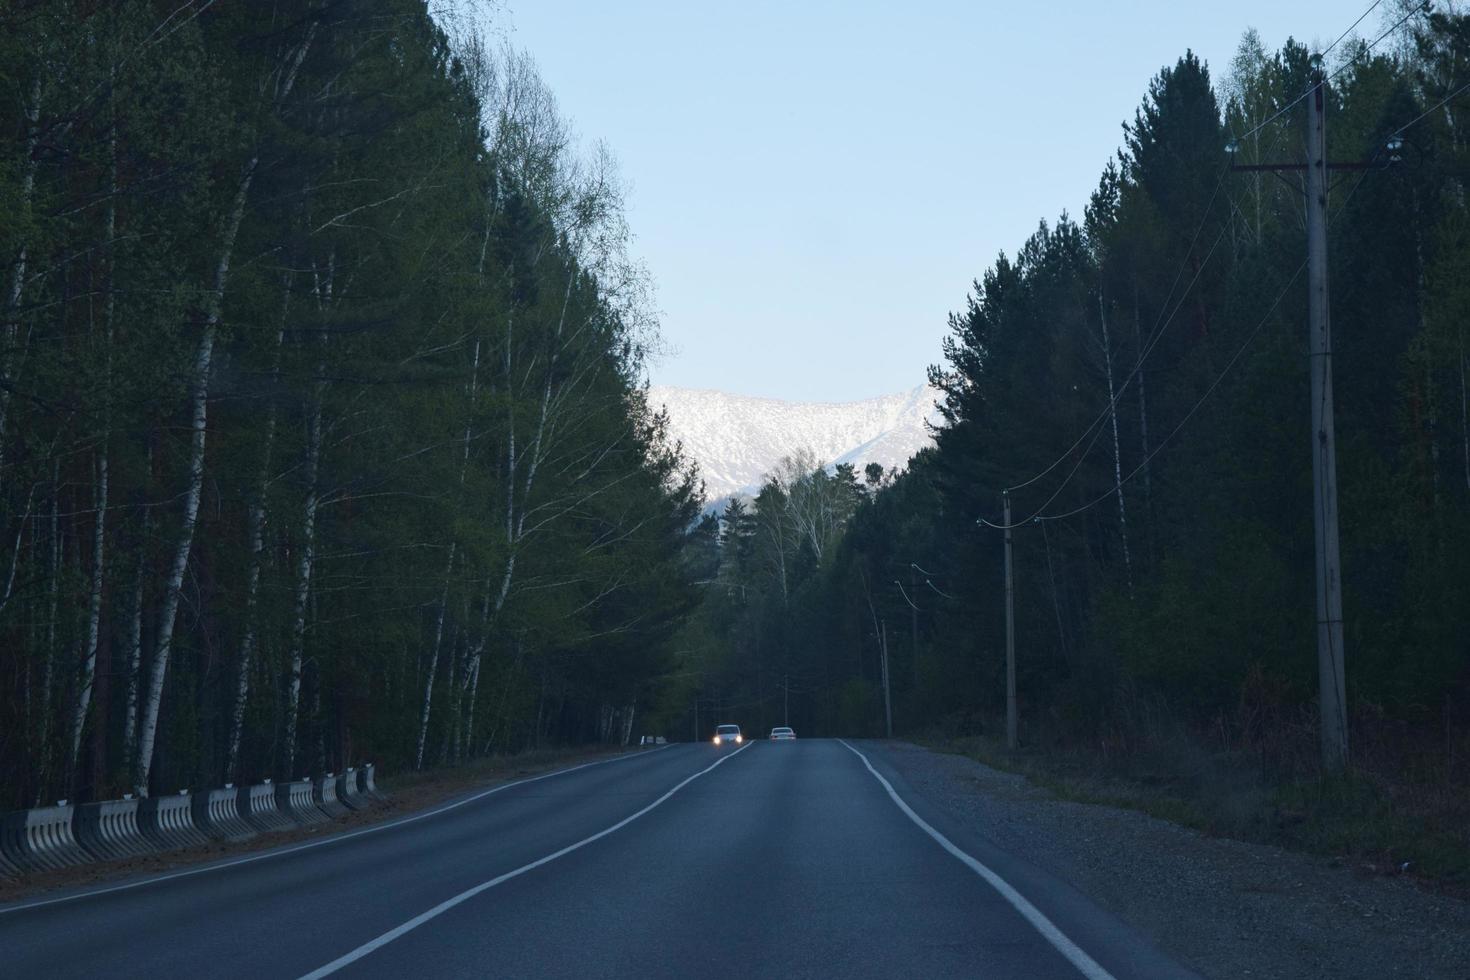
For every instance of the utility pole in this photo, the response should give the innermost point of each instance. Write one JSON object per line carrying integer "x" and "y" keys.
{"x": 786, "y": 700}
{"x": 1333, "y": 696}
{"x": 1331, "y": 684}
{"x": 1010, "y": 630}
{"x": 887, "y": 704}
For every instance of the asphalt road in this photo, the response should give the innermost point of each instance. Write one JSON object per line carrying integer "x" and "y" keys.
{"x": 792, "y": 859}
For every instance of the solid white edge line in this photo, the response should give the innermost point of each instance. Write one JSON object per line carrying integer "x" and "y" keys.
{"x": 1085, "y": 964}
{"x": 334, "y": 839}
{"x": 470, "y": 893}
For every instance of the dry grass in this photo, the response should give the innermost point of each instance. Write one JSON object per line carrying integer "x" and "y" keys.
{"x": 1402, "y": 809}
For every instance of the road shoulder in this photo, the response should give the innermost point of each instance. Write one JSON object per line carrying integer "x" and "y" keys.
{"x": 1222, "y": 907}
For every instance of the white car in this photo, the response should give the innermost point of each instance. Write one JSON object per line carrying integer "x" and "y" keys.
{"x": 728, "y": 735}
{"x": 782, "y": 735}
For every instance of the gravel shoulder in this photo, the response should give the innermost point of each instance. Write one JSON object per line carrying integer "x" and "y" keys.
{"x": 1222, "y": 907}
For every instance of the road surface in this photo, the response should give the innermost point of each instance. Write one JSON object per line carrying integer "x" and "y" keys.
{"x": 779, "y": 859}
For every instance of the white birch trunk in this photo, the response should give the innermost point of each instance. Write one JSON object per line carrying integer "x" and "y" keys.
{"x": 15, "y": 555}
{"x": 135, "y": 635}
{"x": 510, "y": 470}
{"x": 498, "y": 721}
{"x": 135, "y": 656}
{"x": 1117, "y": 451}
{"x": 1432, "y": 405}
{"x": 247, "y": 642}
{"x": 199, "y": 384}
{"x": 628, "y": 724}
{"x": 515, "y": 524}
{"x": 257, "y": 546}
{"x": 252, "y": 576}
{"x": 472, "y": 669}
{"x": 472, "y": 690}
{"x": 1464, "y": 415}
{"x": 18, "y": 272}
{"x": 433, "y": 664}
{"x": 99, "y": 534}
{"x": 1148, "y": 489}
{"x": 303, "y": 571}
{"x": 459, "y": 674}
{"x": 49, "y": 671}
{"x": 94, "y": 614}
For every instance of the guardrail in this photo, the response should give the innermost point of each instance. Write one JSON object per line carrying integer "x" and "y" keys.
{"x": 324, "y": 794}
{"x": 216, "y": 815}
{"x": 257, "y": 804}
{"x": 109, "y": 830}
{"x": 54, "y": 837}
{"x": 367, "y": 782}
{"x": 41, "y": 839}
{"x": 348, "y": 792}
{"x": 294, "y": 800}
{"x": 168, "y": 821}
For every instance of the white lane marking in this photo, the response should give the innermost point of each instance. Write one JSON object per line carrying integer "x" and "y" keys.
{"x": 1085, "y": 964}
{"x": 470, "y": 893}
{"x": 335, "y": 838}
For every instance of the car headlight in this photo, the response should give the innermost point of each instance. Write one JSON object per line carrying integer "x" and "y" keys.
{"x": 739, "y": 739}
{"x": 716, "y": 740}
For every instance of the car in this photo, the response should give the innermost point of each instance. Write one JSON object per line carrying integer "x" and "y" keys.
{"x": 782, "y": 734}
{"x": 728, "y": 735}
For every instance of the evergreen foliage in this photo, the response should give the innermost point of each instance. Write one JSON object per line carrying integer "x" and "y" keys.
{"x": 1140, "y": 377}
{"x": 321, "y": 413}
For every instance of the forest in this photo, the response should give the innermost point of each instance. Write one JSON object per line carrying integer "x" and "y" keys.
{"x": 323, "y": 436}
{"x": 1137, "y": 377}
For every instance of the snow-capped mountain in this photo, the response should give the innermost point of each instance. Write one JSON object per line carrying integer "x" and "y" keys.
{"x": 737, "y": 440}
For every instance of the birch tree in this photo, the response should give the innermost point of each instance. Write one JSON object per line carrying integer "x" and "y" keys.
{"x": 276, "y": 84}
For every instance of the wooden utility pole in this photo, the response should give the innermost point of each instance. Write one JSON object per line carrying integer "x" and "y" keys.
{"x": 1333, "y": 696}
{"x": 1010, "y": 630}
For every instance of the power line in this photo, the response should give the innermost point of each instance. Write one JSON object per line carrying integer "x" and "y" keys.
{"x": 1188, "y": 415}
{"x": 1219, "y": 181}
{"x": 934, "y": 588}
{"x": 937, "y": 590}
{"x": 1344, "y": 67}
{"x": 1128, "y": 379}
{"x": 1355, "y": 23}
{"x": 1154, "y": 334}
{"x": 1096, "y": 429}
{"x": 1434, "y": 108}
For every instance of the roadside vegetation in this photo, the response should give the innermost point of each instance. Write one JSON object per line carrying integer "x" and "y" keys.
{"x": 322, "y": 429}
{"x": 1387, "y": 816}
{"x": 1138, "y": 374}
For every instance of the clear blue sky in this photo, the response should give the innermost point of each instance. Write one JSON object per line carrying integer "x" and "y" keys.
{"x": 815, "y": 185}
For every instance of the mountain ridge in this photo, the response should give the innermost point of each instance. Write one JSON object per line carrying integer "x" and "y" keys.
{"x": 738, "y": 439}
